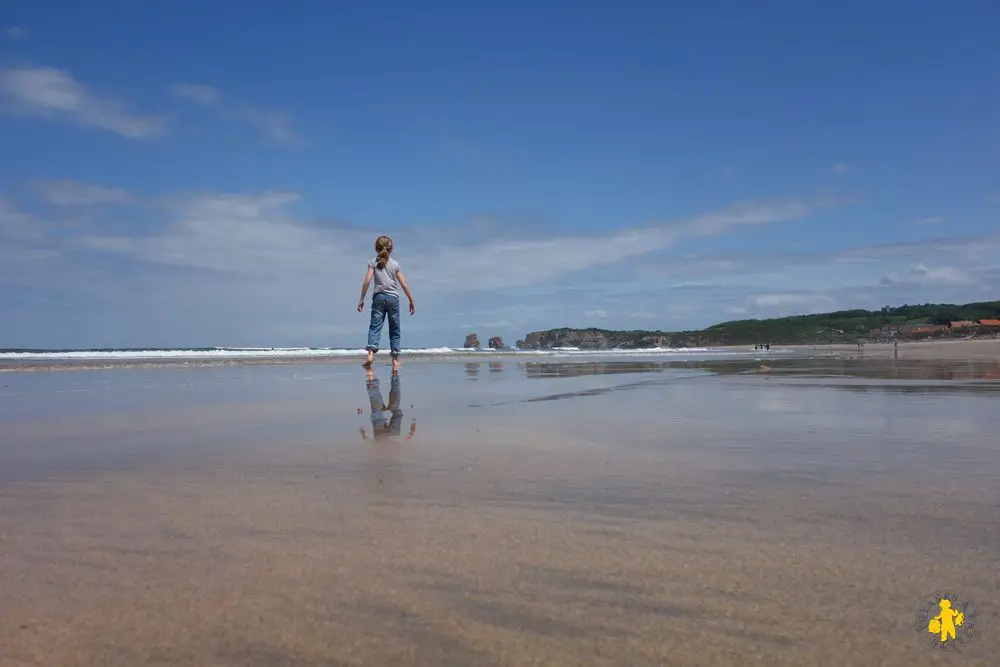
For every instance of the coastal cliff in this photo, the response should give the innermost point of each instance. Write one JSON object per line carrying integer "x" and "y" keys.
{"x": 599, "y": 339}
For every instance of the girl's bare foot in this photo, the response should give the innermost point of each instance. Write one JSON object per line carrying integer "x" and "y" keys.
{"x": 396, "y": 364}
{"x": 370, "y": 360}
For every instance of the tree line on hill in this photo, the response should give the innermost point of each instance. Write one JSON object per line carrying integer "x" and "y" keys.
{"x": 834, "y": 327}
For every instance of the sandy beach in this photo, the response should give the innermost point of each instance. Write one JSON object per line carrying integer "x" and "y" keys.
{"x": 516, "y": 512}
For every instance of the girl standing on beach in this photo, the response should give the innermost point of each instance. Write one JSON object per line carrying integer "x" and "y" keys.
{"x": 388, "y": 276}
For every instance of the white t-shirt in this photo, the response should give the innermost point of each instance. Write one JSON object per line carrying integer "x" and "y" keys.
{"x": 385, "y": 279}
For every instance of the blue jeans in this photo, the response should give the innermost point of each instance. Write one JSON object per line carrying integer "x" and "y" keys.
{"x": 384, "y": 305}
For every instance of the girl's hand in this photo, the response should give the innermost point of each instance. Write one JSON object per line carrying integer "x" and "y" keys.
{"x": 412, "y": 308}
{"x": 361, "y": 305}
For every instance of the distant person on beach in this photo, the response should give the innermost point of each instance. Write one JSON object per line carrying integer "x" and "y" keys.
{"x": 389, "y": 279}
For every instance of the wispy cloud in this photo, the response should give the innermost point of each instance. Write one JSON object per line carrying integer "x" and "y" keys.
{"x": 204, "y": 95}
{"x": 809, "y": 301}
{"x": 51, "y": 93}
{"x": 74, "y": 193}
{"x": 16, "y": 225}
{"x": 526, "y": 262}
{"x": 274, "y": 125}
{"x": 928, "y": 275}
{"x": 757, "y": 285}
{"x": 750, "y": 214}
{"x": 17, "y": 32}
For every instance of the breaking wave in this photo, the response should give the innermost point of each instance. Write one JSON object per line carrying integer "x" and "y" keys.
{"x": 26, "y": 359}
{"x": 305, "y": 352}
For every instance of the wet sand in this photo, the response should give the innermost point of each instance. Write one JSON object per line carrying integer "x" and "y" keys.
{"x": 956, "y": 350}
{"x": 639, "y": 512}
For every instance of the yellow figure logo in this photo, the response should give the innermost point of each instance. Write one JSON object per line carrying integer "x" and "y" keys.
{"x": 944, "y": 623}
{"x": 952, "y": 625}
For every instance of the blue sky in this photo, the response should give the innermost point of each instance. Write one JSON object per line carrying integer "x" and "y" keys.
{"x": 216, "y": 173}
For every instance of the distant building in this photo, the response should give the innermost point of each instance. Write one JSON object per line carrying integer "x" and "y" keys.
{"x": 918, "y": 329}
{"x": 989, "y": 323}
{"x": 962, "y": 324}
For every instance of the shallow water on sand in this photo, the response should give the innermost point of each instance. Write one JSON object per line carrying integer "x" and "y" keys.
{"x": 516, "y": 512}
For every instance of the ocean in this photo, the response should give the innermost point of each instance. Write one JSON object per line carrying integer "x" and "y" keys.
{"x": 34, "y": 359}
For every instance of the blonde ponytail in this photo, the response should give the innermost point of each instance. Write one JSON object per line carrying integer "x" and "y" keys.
{"x": 383, "y": 246}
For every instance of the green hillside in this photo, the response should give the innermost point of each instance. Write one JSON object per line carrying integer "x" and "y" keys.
{"x": 847, "y": 324}
{"x": 836, "y": 327}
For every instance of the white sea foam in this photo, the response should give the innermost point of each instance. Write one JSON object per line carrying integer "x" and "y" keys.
{"x": 304, "y": 352}
{"x": 217, "y": 353}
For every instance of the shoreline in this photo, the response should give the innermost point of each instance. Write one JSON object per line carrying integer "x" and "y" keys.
{"x": 981, "y": 348}
{"x": 456, "y": 355}
{"x": 970, "y": 349}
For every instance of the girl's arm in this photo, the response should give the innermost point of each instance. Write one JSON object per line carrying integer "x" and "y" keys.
{"x": 364, "y": 288}
{"x": 406, "y": 288}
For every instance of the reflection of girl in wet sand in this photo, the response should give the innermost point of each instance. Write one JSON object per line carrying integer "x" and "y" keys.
{"x": 387, "y": 420}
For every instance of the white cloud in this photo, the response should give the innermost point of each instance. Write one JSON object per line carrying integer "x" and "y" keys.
{"x": 784, "y": 300}
{"x": 871, "y": 261}
{"x": 751, "y": 213}
{"x": 240, "y": 206}
{"x": 955, "y": 270}
{"x": 274, "y": 125}
{"x": 46, "y": 92}
{"x": 882, "y": 252}
{"x": 925, "y": 275}
{"x": 517, "y": 263}
{"x": 241, "y": 268}
{"x": 16, "y": 225}
{"x": 74, "y": 193}
{"x": 243, "y": 235}
{"x": 248, "y": 265}
{"x": 204, "y": 95}
{"x": 693, "y": 284}
{"x": 17, "y": 32}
